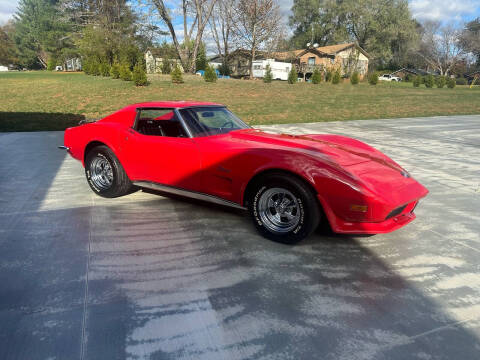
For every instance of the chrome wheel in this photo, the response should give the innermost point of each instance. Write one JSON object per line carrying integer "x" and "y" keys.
{"x": 101, "y": 172}
{"x": 279, "y": 210}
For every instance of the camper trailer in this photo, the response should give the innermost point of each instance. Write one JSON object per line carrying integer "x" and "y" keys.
{"x": 280, "y": 70}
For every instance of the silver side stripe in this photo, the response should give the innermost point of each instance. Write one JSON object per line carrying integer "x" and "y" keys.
{"x": 187, "y": 193}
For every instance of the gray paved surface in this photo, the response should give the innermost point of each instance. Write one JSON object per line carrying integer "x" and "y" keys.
{"x": 148, "y": 277}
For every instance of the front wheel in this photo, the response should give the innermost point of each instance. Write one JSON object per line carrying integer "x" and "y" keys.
{"x": 284, "y": 209}
{"x": 105, "y": 174}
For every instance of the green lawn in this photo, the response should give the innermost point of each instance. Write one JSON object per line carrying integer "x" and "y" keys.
{"x": 52, "y": 101}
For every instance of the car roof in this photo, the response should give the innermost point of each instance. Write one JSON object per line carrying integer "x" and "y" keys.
{"x": 173, "y": 104}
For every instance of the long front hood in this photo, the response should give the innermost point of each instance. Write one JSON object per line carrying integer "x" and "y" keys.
{"x": 370, "y": 167}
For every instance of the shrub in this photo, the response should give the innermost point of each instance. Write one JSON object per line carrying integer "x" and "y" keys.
{"x": 176, "y": 75}
{"x": 440, "y": 81}
{"x": 292, "y": 75}
{"x": 125, "y": 73}
{"x": 210, "y": 74}
{"x": 139, "y": 76}
{"x": 408, "y": 78}
{"x": 451, "y": 83}
{"x": 328, "y": 76}
{"x": 355, "y": 78}
{"x": 417, "y": 81}
{"x": 166, "y": 66}
{"x": 429, "y": 81}
{"x": 95, "y": 68}
{"x": 373, "y": 79}
{"x": 336, "y": 78}
{"x": 115, "y": 71}
{"x": 104, "y": 69}
{"x": 316, "y": 76}
{"x": 461, "y": 81}
{"x": 268, "y": 75}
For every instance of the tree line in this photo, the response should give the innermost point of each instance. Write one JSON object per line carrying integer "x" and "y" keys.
{"x": 44, "y": 33}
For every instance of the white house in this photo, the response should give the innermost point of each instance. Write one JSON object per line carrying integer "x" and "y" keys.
{"x": 280, "y": 70}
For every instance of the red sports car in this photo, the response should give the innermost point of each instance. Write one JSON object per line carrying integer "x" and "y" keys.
{"x": 288, "y": 183}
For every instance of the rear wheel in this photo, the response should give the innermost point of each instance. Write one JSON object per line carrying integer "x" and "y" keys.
{"x": 105, "y": 174}
{"x": 284, "y": 208}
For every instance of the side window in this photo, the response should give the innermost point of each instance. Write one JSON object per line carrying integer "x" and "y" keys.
{"x": 159, "y": 122}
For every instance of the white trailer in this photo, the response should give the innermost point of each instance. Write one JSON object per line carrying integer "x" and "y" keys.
{"x": 280, "y": 70}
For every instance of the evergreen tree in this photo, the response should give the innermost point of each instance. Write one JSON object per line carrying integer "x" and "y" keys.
{"x": 336, "y": 77}
{"x": 429, "y": 81}
{"x": 373, "y": 79}
{"x": 115, "y": 70}
{"x": 139, "y": 75}
{"x": 440, "y": 81}
{"x": 355, "y": 78}
{"x": 176, "y": 75}
{"x": 451, "y": 83}
{"x": 166, "y": 66}
{"x": 292, "y": 75}
{"x": 125, "y": 73}
{"x": 268, "y": 75}
{"x": 39, "y": 33}
{"x": 210, "y": 74}
{"x": 201, "y": 62}
{"x": 104, "y": 69}
{"x": 328, "y": 75}
{"x": 417, "y": 81}
{"x": 316, "y": 76}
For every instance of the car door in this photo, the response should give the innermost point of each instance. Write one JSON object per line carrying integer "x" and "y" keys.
{"x": 161, "y": 150}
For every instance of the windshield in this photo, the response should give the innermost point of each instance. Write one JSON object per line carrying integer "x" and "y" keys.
{"x": 204, "y": 121}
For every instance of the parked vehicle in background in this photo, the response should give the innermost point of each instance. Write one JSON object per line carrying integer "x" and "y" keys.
{"x": 388, "y": 77}
{"x": 280, "y": 70}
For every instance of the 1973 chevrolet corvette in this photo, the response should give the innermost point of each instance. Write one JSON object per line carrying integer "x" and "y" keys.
{"x": 288, "y": 183}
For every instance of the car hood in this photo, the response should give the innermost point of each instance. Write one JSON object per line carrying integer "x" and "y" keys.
{"x": 374, "y": 169}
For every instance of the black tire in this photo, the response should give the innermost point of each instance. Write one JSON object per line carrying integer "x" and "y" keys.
{"x": 119, "y": 184}
{"x": 306, "y": 206}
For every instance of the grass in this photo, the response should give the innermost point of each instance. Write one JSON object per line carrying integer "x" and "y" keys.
{"x": 32, "y": 101}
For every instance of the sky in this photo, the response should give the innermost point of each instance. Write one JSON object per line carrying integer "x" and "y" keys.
{"x": 444, "y": 10}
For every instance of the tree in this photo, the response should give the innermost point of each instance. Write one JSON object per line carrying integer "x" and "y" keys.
{"x": 355, "y": 78}
{"x": 210, "y": 74}
{"x": 268, "y": 74}
{"x": 115, "y": 70}
{"x": 201, "y": 11}
{"x": 373, "y": 79}
{"x": 417, "y": 81}
{"x": 440, "y": 81}
{"x": 176, "y": 75}
{"x": 384, "y": 28}
{"x": 441, "y": 47}
{"x": 125, "y": 73}
{"x": 451, "y": 83}
{"x": 8, "y": 49}
{"x": 139, "y": 75}
{"x": 316, "y": 76}
{"x": 201, "y": 62}
{"x": 292, "y": 75}
{"x": 221, "y": 24}
{"x": 336, "y": 77}
{"x": 38, "y": 32}
{"x": 256, "y": 22}
{"x": 429, "y": 81}
{"x": 470, "y": 39}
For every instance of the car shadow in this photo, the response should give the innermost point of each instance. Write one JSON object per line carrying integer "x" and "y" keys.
{"x": 37, "y": 121}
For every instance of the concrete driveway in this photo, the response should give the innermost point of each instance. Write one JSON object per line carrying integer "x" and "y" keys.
{"x": 149, "y": 277}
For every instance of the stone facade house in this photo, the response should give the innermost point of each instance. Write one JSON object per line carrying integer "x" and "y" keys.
{"x": 343, "y": 57}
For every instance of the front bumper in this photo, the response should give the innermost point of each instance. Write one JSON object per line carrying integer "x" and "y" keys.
{"x": 388, "y": 225}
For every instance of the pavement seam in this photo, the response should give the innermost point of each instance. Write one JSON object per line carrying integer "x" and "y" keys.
{"x": 456, "y": 241}
{"x": 85, "y": 298}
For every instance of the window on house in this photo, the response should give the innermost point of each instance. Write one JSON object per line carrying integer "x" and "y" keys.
{"x": 332, "y": 61}
{"x": 311, "y": 60}
{"x": 159, "y": 122}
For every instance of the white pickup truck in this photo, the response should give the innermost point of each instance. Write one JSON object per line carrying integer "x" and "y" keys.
{"x": 388, "y": 77}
